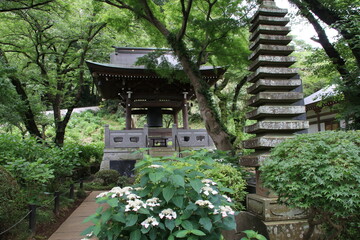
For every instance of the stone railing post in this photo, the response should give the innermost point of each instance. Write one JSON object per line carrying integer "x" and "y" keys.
{"x": 107, "y": 136}
{"x": 146, "y": 135}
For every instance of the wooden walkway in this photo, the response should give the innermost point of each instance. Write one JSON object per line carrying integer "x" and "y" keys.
{"x": 73, "y": 226}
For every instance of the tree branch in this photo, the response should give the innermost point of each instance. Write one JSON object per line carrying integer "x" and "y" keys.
{"x": 186, "y": 13}
{"x": 26, "y": 7}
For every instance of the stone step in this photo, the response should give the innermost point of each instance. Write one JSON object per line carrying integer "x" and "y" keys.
{"x": 264, "y": 142}
{"x": 270, "y": 39}
{"x": 269, "y": 11}
{"x": 275, "y": 111}
{"x": 273, "y": 84}
{"x": 272, "y": 61}
{"x": 272, "y": 72}
{"x": 269, "y": 20}
{"x": 269, "y": 29}
{"x": 273, "y": 50}
{"x": 274, "y": 97}
{"x": 277, "y": 126}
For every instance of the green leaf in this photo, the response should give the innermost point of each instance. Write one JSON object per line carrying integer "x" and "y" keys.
{"x": 229, "y": 223}
{"x": 198, "y": 232}
{"x": 178, "y": 201}
{"x": 196, "y": 184}
{"x": 178, "y": 180}
{"x": 119, "y": 217}
{"x": 145, "y": 230}
{"x": 168, "y": 193}
{"x": 187, "y": 225}
{"x": 171, "y": 237}
{"x": 144, "y": 211}
{"x": 206, "y": 223}
{"x": 170, "y": 224}
{"x": 131, "y": 220}
{"x": 153, "y": 234}
{"x": 97, "y": 229}
{"x": 135, "y": 235}
{"x": 113, "y": 202}
{"x": 91, "y": 218}
{"x": 186, "y": 214}
{"x": 181, "y": 234}
{"x": 156, "y": 177}
{"x": 106, "y": 215}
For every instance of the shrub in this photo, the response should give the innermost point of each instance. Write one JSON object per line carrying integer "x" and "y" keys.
{"x": 232, "y": 178}
{"x": 320, "y": 172}
{"x": 170, "y": 202}
{"x": 109, "y": 176}
{"x": 219, "y": 169}
{"x": 12, "y": 203}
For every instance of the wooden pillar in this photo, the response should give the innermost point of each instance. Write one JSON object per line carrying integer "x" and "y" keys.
{"x": 317, "y": 111}
{"x": 175, "y": 116}
{"x": 128, "y": 111}
{"x": 185, "y": 112}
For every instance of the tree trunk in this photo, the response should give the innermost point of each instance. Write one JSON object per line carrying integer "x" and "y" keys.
{"x": 28, "y": 116}
{"x": 212, "y": 123}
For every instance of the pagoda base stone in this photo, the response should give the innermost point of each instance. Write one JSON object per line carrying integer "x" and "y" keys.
{"x": 268, "y": 209}
{"x": 272, "y": 230}
{"x": 290, "y": 229}
{"x": 119, "y": 155}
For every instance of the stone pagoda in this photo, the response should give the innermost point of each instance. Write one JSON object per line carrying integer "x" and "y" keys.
{"x": 279, "y": 110}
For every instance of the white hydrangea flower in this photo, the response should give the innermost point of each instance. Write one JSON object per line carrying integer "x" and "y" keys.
{"x": 150, "y": 221}
{"x": 134, "y": 205}
{"x": 227, "y": 198}
{"x": 207, "y": 190}
{"x": 168, "y": 213}
{"x": 139, "y": 188}
{"x": 208, "y": 182}
{"x": 204, "y": 203}
{"x": 224, "y": 210}
{"x": 155, "y": 166}
{"x": 127, "y": 190}
{"x": 119, "y": 192}
{"x": 103, "y": 194}
{"x": 153, "y": 202}
{"x": 132, "y": 196}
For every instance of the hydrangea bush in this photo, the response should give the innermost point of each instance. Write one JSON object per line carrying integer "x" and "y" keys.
{"x": 169, "y": 202}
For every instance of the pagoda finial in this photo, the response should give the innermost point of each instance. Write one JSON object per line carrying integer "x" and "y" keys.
{"x": 266, "y": 2}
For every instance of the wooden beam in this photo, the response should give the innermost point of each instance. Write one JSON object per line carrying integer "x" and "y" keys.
{"x": 164, "y": 104}
{"x": 144, "y": 111}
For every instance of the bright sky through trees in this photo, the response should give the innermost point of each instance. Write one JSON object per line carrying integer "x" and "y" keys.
{"x": 301, "y": 29}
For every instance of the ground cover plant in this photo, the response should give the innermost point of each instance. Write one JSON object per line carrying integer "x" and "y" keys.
{"x": 319, "y": 172}
{"x": 169, "y": 202}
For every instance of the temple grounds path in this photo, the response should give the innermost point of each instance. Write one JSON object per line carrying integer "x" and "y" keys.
{"x": 73, "y": 225}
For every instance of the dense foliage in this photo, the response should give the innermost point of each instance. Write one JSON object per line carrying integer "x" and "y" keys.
{"x": 41, "y": 166}
{"x": 319, "y": 172}
{"x": 12, "y": 203}
{"x": 169, "y": 202}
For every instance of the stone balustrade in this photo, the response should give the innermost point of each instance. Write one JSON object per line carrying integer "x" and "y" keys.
{"x": 156, "y": 137}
